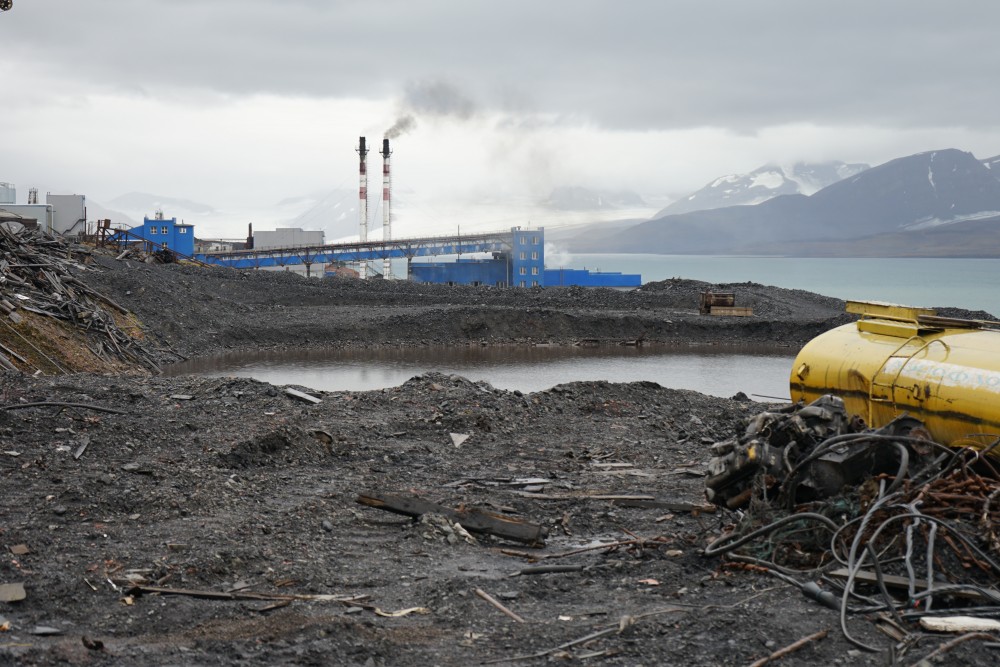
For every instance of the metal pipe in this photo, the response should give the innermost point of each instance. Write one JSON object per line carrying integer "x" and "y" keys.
{"x": 386, "y": 216}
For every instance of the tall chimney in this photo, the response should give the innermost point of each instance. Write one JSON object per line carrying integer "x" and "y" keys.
{"x": 363, "y": 202}
{"x": 386, "y": 215}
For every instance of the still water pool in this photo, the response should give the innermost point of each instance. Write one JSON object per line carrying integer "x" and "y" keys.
{"x": 711, "y": 370}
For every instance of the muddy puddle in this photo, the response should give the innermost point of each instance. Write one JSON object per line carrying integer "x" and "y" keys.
{"x": 717, "y": 371}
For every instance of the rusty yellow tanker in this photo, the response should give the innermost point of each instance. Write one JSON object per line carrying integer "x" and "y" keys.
{"x": 895, "y": 359}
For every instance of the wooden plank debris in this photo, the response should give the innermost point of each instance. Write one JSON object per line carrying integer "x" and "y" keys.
{"x": 959, "y": 624}
{"x": 12, "y": 592}
{"x": 493, "y": 601}
{"x": 245, "y": 595}
{"x": 36, "y": 276}
{"x": 302, "y": 396}
{"x": 732, "y": 312}
{"x": 894, "y": 581}
{"x": 473, "y": 520}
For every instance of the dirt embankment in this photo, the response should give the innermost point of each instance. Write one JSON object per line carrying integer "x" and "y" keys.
{"x": 233, "y": 487}
{"x": 200, "y": 311}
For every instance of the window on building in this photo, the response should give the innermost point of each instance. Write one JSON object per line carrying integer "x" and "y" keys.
{"x": 164, "y": 230}
{"x": 524, "y": 240}
{"x": 534, "y": 240}
{"x": 524, "y": 255}
{"x": 152, "y": 230}
{"x": 524, "y": 271}
{"x": 534, "y": 283}
{"x": 534, "y": 254}
{"x": 182, "y": 230}
{"x": 534, "y": 270}
{"x": 522, "y": 284}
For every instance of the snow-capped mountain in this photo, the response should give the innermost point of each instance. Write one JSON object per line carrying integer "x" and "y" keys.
{"x": 943, "y": 203}
{"x": 993, "y": 164}
{"x": 762, "y": 184}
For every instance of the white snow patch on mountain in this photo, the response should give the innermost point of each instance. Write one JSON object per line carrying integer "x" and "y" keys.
{"x": 732, "y": 178}
{"x": 928, "y": 223}
{"x": 768, "y": 179}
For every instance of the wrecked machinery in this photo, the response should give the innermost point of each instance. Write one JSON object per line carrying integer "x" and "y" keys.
{"x": 943, "y": 371}
{"x": 884, "y": 490}
{"x": 901, "y": 377}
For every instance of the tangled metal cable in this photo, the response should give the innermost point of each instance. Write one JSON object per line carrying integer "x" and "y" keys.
{"x": 920, "y": 541}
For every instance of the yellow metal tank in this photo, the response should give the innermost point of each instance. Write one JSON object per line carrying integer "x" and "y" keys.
{"x": 895, "y": 359}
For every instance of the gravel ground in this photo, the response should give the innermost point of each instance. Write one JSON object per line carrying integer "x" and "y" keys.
{"x": 200, "y": 311}
{"x": 223, "y": 484}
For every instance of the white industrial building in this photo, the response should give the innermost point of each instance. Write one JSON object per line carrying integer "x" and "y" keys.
{"x": 8, "y": 193}
{"x": 291, "y": 237}
{"x": 287, "y": 237}
{"x": 60, "y": 214}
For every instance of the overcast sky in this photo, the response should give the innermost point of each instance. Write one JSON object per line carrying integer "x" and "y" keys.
{"x": 241, "y": 103}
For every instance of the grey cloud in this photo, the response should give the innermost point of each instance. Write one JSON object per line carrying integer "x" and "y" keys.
{"x": 644, "y": 64}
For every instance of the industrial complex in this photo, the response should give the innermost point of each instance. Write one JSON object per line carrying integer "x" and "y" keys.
{"x": 513, "y": 257}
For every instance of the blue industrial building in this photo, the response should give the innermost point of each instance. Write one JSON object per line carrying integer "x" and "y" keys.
{"x": 161, "y": 233}
{"x": 585, "y": 278}
{"x": 522, "y": 266}
{"x": 516, "y": 259}
{"x": 168, "y": 233}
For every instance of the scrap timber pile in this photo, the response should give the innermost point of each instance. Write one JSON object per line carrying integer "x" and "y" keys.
{"x": 36, "y": 280}
{"x": 883, "y": 524}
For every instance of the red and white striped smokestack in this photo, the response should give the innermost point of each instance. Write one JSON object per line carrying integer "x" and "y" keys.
{"x": 386, "y": 201}
{"x": 363, "y": 201}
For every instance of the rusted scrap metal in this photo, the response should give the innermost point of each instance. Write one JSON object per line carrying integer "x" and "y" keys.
{"x": 793, "y": 452}
{"x": 708, "y": 300}
{"x": 721, "y": 303}
{"x": 36, "y": 277}
{"x": 473, "y": 520}
{"x": 913, "y": 523}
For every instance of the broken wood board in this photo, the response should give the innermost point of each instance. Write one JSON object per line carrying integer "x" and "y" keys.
{"x": 473, "y": 520}
{"x": 731, "y": 311}
{"x": 12, "y": 592}
{"x": 302, "y": 396}
{"x": 894, "y": 581}
{"x": 959, "y": 624}
{"x": 244, "y": 595}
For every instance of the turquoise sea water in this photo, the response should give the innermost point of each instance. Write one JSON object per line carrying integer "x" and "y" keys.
{"x": 962, "y": 283}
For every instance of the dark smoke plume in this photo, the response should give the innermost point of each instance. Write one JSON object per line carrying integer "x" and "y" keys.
{"x": 431, "y": 99}
{"x": 402, "y": 125}
{"x": 437, "y": 98}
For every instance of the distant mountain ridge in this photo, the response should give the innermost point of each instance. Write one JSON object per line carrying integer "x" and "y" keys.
{"x": 763, "y": 184}
{"x": 920, "y": 196}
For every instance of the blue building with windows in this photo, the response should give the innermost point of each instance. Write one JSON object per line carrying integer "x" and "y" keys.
{"x": 522, "y": 266}
{"x": 167, "y": 233}
{"x": 527, "y": 258}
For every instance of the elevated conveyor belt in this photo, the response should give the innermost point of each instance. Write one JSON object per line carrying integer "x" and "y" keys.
{"x": 361, "y": 251}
